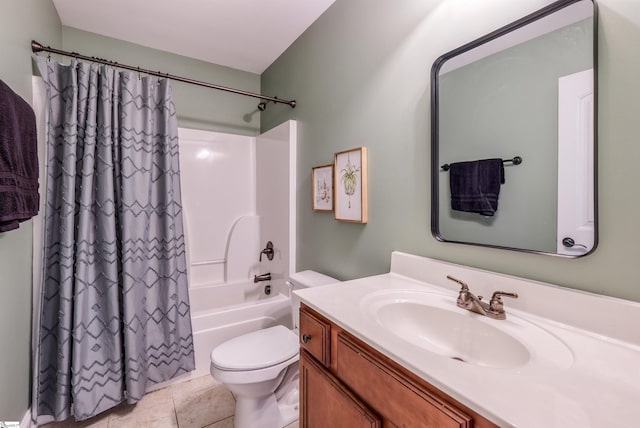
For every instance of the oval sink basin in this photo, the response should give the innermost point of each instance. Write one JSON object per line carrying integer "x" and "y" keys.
{"x": 434, "y": 323}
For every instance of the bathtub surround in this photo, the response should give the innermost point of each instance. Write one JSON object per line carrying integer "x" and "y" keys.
{"x": 238, "y": 193}
{"x": 218, "y": 195}
{"x": 276, "y": 162}
{"x": 115, "y": 314}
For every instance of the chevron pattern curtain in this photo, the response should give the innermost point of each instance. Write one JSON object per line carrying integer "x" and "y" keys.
{"x": 115, "y": 313}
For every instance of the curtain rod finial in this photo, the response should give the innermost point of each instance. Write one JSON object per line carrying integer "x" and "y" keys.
{"x": 36, "y": 47}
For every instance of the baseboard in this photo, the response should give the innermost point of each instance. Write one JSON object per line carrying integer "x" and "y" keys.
{"x": 26, "y": 420}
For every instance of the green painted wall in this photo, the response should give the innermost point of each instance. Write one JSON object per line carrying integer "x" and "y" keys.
{"x": 360, "y": 75}
{"x": 197, "y": 107}
{"x": 20, "y": 21}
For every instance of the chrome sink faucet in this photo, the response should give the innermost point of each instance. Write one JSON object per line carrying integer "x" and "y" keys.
{"x": 467, "y": 300}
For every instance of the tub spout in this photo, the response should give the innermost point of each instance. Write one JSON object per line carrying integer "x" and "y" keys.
{"x": 263, "y": 277}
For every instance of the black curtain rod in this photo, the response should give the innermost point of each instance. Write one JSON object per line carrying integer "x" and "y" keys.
{"x": 38, "y": 47}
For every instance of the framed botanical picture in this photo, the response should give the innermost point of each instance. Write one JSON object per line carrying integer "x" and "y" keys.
{"x": 350, "y": 178}
{"x": 322, "y": 181}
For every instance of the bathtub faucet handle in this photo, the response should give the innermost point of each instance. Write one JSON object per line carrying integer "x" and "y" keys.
{"x": 268, "y": 251}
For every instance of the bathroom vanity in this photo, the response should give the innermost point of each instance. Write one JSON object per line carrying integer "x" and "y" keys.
{"x": 339, "y": 371}
{"x": 395, "y": 350}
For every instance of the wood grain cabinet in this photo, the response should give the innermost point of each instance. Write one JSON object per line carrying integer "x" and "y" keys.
{"x": 346, "y": 383}
{"x": 326, "y": 402}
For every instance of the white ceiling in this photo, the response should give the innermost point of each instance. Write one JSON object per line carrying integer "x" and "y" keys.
{"x": 244, "y": 34}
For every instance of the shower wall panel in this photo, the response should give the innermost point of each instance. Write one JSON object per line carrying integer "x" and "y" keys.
{"x": 218, "y": 188}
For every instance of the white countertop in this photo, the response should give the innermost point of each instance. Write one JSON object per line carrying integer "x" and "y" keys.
{"x": 598, "y": 386}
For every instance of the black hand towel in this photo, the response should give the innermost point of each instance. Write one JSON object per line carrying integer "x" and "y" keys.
{"x": 475, "y": 185}
{"x": 19, "y": 198}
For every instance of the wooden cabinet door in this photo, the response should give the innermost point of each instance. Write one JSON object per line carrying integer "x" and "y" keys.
{"x": 325, "y": 402}
{"x": 315, "y": 335}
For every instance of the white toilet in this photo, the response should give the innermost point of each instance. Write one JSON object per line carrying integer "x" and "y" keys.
{"x": 261, "y": 368}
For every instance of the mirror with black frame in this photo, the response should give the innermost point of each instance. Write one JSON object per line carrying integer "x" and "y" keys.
{"x": 513, "y": 135}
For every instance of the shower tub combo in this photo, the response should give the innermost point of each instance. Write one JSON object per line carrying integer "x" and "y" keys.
{"x": 237, "y": 195}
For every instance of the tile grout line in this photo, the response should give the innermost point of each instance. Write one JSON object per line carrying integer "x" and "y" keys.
{"x": 173, "y": 401}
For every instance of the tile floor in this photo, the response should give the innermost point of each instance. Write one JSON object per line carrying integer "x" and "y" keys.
{"x": 198, "y": 403}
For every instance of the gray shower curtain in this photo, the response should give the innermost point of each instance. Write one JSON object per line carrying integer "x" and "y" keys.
{"x": 115, "y": 313}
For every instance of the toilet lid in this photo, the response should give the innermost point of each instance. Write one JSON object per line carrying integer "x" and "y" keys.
{"x": 257, "y": 350}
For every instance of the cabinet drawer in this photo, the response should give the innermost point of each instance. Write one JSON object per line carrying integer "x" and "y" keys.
{"x": 315, "y": 335}
{"x": 394, "y": 396}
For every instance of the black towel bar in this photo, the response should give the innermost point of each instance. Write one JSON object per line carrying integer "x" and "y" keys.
{"x": 517, "y": 160}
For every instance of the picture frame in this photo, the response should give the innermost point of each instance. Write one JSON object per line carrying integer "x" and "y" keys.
{"x": 350, "y": 185}
{"x": 322, "y": 188}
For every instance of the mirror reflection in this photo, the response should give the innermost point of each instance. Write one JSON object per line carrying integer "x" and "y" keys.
{"x": 513, "y": 136}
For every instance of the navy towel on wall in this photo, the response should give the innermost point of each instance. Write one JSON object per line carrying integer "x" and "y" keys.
{"x": 19, "y": 198}
{"x": 475, "y": 185}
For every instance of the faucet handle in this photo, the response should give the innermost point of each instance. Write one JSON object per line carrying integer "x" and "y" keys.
{"x": 463, "y": 284}
{"x": 463, "y": 295}
{"x": 268, "y": 251}
{"x": 496, "y": 305}
{"x": 497, "y": 294}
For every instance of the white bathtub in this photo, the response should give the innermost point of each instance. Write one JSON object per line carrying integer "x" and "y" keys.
{"x": 221, "y": 312}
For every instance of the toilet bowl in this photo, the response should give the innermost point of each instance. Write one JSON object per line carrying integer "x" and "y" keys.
{"x": 261, "y": 368}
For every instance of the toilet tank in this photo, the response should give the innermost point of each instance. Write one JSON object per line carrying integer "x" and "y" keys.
{"x": 305, "y": 279}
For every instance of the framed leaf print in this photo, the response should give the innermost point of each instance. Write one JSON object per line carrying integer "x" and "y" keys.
{"x": 350, "y": 180}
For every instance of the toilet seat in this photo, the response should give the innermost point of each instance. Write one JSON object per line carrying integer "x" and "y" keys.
{"x": 257, "y": 350}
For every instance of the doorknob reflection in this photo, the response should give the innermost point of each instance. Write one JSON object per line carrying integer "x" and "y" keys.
{"x": 570, "y": 243}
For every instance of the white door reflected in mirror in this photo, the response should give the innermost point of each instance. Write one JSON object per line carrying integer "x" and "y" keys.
{"x": 576, "y": 215}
